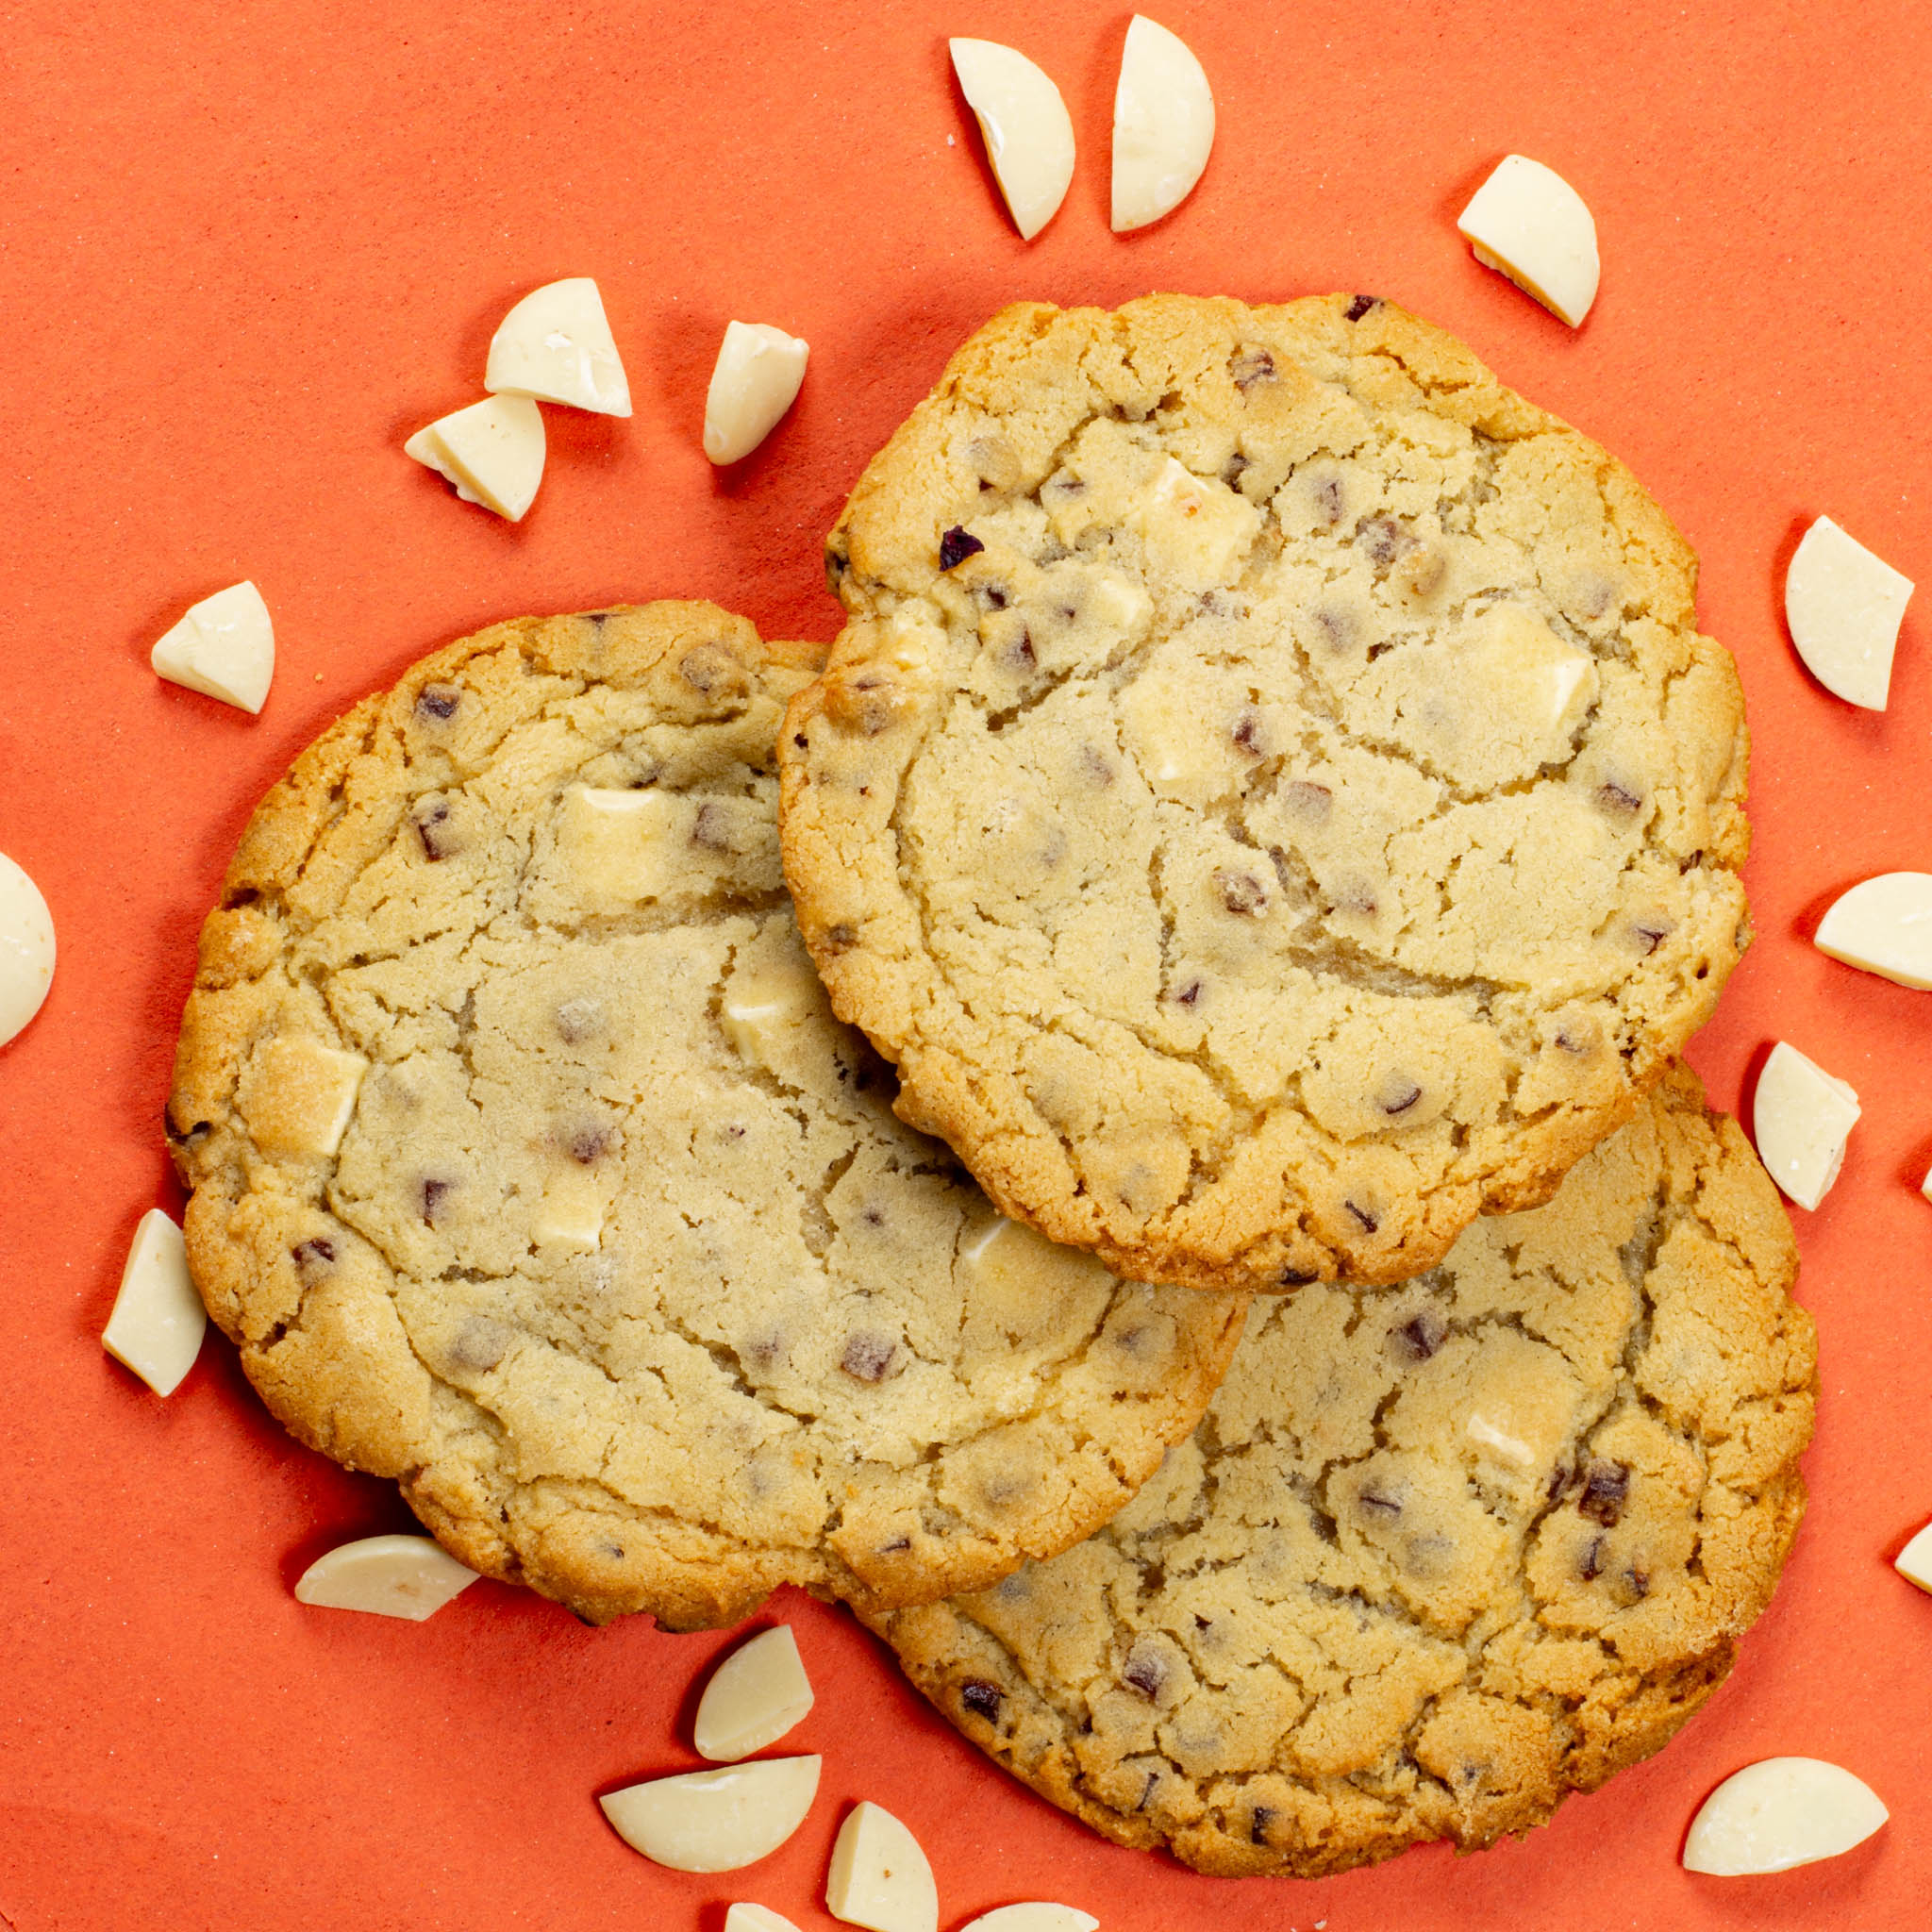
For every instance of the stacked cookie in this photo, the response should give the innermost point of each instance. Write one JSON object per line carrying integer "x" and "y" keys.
{"x": 1269, "y": 806}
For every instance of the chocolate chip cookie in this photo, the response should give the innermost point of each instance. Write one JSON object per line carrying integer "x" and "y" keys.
{"x": 530, "y": 1167}
{"x": 1271, "y": 798}
{"x": 1440, "y": 1553}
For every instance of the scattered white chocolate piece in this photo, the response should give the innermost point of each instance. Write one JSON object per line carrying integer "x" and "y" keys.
{"x": 556, "y": 345}
{"x": 1028, "y": 135}
{"x": 409, "y": 1576}
{"x": 158, "y": 1321}
{"x": 1801, "y": 1118}
{"x": 1925, "y": 1185}
{"x": 715, "y": 1820}
{"x": 26, "y": 949}
{"x": 1914, "y": 1562}
{"x": 1528, "y": 223}
{"x": 748, "y": 1917}
{"x": 492, "y": 452}
{"x": 1885, "y": 926}
{"x": 755, "y": 381}
{"x": 225, "y": 648}
{"x": 1035, "y": 1916}
{"x": 1778, "y": 1813}
{"x": 755, "y": 1696}
{"x": 1843, "y": 607}
{"x": 1163, "y": 125}
{"x": 879, "y": 1877}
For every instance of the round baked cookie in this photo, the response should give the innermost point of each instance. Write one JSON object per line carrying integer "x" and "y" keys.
{"x": 1440, "y": 1553}
{"x": 1271, "y": 798}
{"x": 530, "y": 1167}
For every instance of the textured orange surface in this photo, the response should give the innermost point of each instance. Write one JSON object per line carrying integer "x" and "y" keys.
{"x": 244, "y": 250}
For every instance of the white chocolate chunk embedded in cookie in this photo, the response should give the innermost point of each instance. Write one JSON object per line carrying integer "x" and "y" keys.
{"x": 1780, "y": 1813}
{"x": 879, "y": 1877}
{"x": 407, "y": 1576}
{"x": 1024, "y": 122}
{"x": 1801, "y": 1117}
{"x": 1163, "y": 125}
{"x": 158, "y": 1321}
{"x": 556, "y": 345}
{"x": 1884, "y": 925}
{"x": 1843, "y": 607}
{"x": 298, "y": 1096}
{"x": 26, "y": 949}
{"x": 715, "y": 1820}
{"x": 755, "y": 1696}
{"x": 224, "y": 647}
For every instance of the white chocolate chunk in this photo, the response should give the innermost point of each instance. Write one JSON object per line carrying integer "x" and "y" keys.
{"x": 1843, "y": 607}
{"x": 879, "y": 1877}
{"x": 1778, "y": 1813}
{"x": 297, "y": 1097}
{"x": 556, "y": 345}
{"x": 715, "y": 1820}
{"x": 1914, "y": 1562}
{"x": 763, "y": 1009}
{"x": 1035, "y": 1916}
{"x": 1028, "y": 135}
{"x": 492, "y": 452}
{"x": 1884, "y": 925}
{"x": 1163, "y": 125}
{"x": 620, "y": 846}
{"x": 755, "y": 380}
{"x": 1528, "y": 223}
{"x": 1801, "y": 1117}
{"x": 158, "y": 1321}
{"x": 571, "y": 1214}
{"x": 1196, "y": 527}
{"x": 225, "y": 648}
{"x": 1925, "y": 1185}
{"x": 409, "y": 1576}
{"x": 748, "y": 1917}
{"x": 755, "y": 1696}
{"x": 26, "y": 949}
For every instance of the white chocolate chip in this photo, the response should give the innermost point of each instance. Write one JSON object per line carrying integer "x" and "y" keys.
{"x": 492, "y": 452}
{"x": 620, "y": 846}
{"x": 1801, "y": 1117}
{"x": 26, "y": 949}
{"x": 1925, "y": 1185}
{"x": 158, "y": 1321}
{"x": 1029, "y": 137}
{"x": 1197, "y": 529}
{"x": 763, "y": 1009}
{"x": 1843, "y": 607}
{"x": 297, "y": 1097}
{"x": 225, "y": 648}
{"x": 747, "y": 1918}
{"x": 556, "y": 345}
{"x": 407, "y": 1576}
{"x": 755, "y": 1696}
{"x": 755, "y": 380}
{"x": 1778, "y": 1813}
{"x": 1884, "y": 925}
{"x": 571, "y": 1214}
{"x": 1035, "y": 1916}
{"x": 1914, "y": 1562}
{"x": 879, "y": 1877}
{"x": 1528, "y": 223}
{"x": 1163, "y": 125}
{"x": 715, "y": 1820}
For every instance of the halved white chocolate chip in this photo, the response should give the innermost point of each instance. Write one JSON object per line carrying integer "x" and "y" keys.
{"x": 879, "y": 1877}
{"x": 297, "y": 1097}
{"x": 1781, "y": 1812}
{"x": 158, "y": 1321}
{"x": 1528, "y": 223}
{"x": 755, "y": 1696}
{"x": 556, "y": 345}
{"x": 1163, "y": 125}
{"x": 26, "y": 949}
{"x": 1885, "y": 926}
{"x": 715, "y": 1820}
{"x": 492, "y": 452}
{"x": 1029, "y": 137}
{"x": 224, "y": 647}
{"x": 1034, "y": 1916}
{"x": 1843, "y": 607}
{"x": 755, "y": 381}
{"x": 1914, "y": 1562}
{"x": 750, "y": 1917}
{"x": 1801, "y": 1117}
{"x": 409, "y": 1576}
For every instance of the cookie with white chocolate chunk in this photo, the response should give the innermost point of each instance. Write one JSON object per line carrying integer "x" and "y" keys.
{"x": 1271, "y": 798}
{"x": 1440, "y": 1553}
{"x": 531, "y": 1169}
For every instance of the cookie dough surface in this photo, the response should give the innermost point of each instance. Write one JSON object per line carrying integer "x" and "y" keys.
{"x": 530, "y": 1167}
{"x": 1271, "y": 798}
{"x": 1438, "y": 1554}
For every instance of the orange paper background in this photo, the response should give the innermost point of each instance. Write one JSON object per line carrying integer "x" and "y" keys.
{"x": 244, "y": 250}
